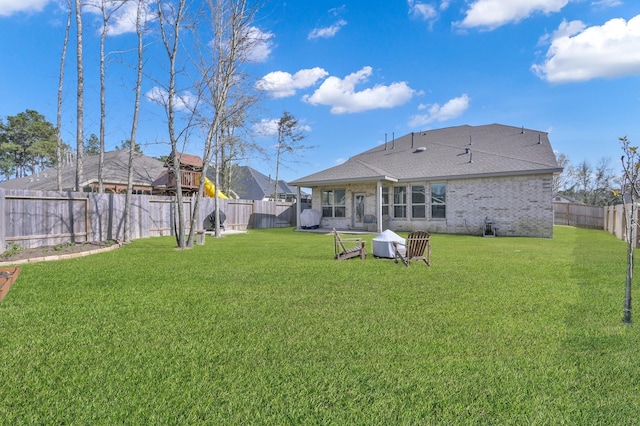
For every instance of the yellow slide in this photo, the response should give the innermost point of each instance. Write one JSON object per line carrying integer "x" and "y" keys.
{"x": 210, "y": 189}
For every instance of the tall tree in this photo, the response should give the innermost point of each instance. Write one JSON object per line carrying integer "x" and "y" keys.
{"x": 584, "y": 180}
{"x": 630, "y": 191}
{"x": 223, "y": 87}
{"x": 603, "y": 183}
{"x": 290, "y": 135}
{"x": 134, "y": 123}
{"x": 63, "y": 56}
{"x": 107, "y": 9}
{"x": 126, "y": 144}
{"x": 92, "y": 145}
{"x": 170, "y": 20}
{"x": 80, "y": 100}
{"x": 586, "y": 183}
{"x": 561, "y": 179}
{"x": 27, "y": 144}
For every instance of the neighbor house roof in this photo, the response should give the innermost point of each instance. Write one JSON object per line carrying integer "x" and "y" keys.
{"x": 449, "y": 153}
{"x": 115, "y": 171}
{"x": 250, "y": 184}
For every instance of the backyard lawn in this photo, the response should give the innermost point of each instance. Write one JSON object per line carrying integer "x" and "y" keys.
{"x": 266, "y": 328}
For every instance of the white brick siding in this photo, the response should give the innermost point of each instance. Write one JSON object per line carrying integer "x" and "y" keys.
{"x": 517, "y": 205}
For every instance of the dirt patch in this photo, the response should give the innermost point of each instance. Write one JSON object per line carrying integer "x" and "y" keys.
{"x": 15, "y": 254}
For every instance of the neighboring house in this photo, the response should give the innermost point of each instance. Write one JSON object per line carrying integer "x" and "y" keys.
{"x": 115, "y": 175}
{"x": 563, "y": 199}
{"x": 450, "y": 180}
{"x": 249, "y": 184}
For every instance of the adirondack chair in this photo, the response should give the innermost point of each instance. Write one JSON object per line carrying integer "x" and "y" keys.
{"x": 356, "y": 247}
{"x": 417, "y": 245}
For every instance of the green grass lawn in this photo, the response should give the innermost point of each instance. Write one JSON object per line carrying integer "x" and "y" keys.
{"x": 266, "y": 328}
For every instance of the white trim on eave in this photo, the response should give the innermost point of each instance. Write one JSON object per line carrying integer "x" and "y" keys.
{"x": 483, "y": 175}
{"x": 425, "y": 178}
{"x": 339, "y": 181}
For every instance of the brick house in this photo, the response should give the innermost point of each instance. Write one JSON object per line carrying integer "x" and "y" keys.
{"x": 450, "y": 180}
{"x": 115, "y": 175}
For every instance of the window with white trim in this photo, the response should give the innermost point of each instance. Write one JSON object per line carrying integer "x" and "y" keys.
{"x": 438, "y": 201}
{"x": 419, "y": 201}
{"x": 334, "y": 203}
{"x": 385, "y": 201}
{"x": 399, "y": 201}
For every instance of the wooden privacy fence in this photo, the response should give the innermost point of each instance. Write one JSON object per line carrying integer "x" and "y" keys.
{"x": 616, "y": 223}
{"x": 44, "y": 218}
{"x": 579, "y": 215}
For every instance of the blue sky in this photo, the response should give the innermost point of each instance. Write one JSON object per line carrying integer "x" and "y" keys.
{"x": 355, "y": 71}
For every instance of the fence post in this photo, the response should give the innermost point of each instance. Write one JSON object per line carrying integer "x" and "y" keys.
{"x": 3, "y": 243}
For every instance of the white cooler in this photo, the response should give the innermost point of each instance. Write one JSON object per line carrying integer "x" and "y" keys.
{"x": 383, "y": 244}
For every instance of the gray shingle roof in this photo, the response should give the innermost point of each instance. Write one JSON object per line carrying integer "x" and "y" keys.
{"x": 145, "y": 171}
{"x": 250, "y": 184}
{"x": 449, "y": 153}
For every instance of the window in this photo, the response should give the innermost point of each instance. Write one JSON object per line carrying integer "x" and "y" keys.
{"x": 385, "y": 201}
{"x": 438, "y": 200}
{"x": 334, "y": 203}
{"x": 400, "y": 201}
{"x": 418, "y": 201}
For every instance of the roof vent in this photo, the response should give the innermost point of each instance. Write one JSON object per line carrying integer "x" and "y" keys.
{"x": 420, "y": 149}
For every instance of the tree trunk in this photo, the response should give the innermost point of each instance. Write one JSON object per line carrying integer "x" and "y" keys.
{"x": 134, "y": 125}
{"x": 80, "y": 103}
{"x": 59, "y": 142}
{"x": 630, "y": 231}
{"x": 171, "y": 46}
{"x": 103, "y": 35}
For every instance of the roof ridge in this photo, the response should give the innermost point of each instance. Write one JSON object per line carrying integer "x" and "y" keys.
{"x": 371, "y": 167}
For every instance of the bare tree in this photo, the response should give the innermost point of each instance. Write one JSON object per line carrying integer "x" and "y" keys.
{"x": 134, "y": 124}
{"x": 223, "y": 86}
{"x": 80, "y": 101}
{"x": 107, "y": 8}
{"x": 561, "y": 180}
{"x": 290, "y": 135}
{"x": 630, "y": 189}
{"x": 603, "y": 182}
{"x": 63, "y": 56}
{"x": 170, "y": 18}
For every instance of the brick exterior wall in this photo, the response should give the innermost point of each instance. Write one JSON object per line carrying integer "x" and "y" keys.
{"x": 517, "y": 205}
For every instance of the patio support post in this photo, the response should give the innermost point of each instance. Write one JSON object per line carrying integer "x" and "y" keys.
{"x": 379, "y": 205}
{"x": 298, "y": 207}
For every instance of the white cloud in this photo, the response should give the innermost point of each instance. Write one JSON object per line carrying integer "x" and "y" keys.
{"x": 606, "y": 3}
{"x": 182, "y": 102}
{"x": 422, "y": 11}
{"x": 454, "y": 108}
{"x": 123, "y": 20}
{"x": 268, "y": 127}
{"x": 327, "y": 32}
{"x": 280, "y": 84}
{"x": 495, "y": 13}
{"x": 9, "y": 7}
{"x": 340, "y": 94}
{"x": 260, "y": 44}
{"x": 578, "y": 53}
{"x": 122, "y": 15}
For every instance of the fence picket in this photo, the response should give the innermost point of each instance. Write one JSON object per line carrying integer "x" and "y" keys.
{"x": 37, "y": 218}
